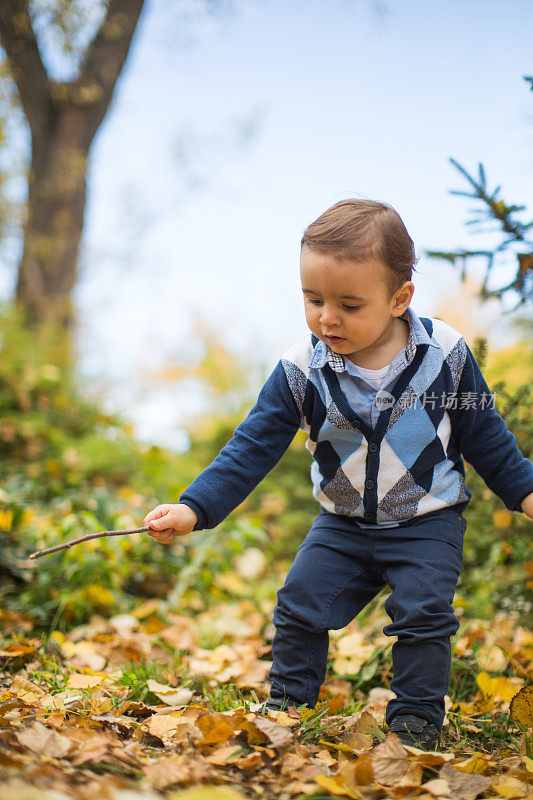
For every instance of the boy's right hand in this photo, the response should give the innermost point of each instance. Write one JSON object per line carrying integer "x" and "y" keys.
{"x": 170, "y": 520}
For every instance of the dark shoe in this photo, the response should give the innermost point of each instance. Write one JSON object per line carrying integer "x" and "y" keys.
{"x": 415, "y": 731}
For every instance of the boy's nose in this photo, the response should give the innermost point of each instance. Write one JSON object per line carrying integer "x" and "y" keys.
{"x": 328, "y": 318}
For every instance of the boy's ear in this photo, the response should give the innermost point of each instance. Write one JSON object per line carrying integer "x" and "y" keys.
{"x": 402, "y": 297}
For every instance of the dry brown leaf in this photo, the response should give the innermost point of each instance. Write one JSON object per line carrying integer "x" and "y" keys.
{"x": 292, "y": 762}
{"x": 228, "y": 754}
{"x": 169, "y": 727}
{"x": 366, "y": 724}
{"x": 124, "y": 726}
{"x": 282, "y": 718}
{"x": 378, "y": 698}
{"x": 22, "y": 648}
{"x": 93, "y": 750}
{"x": 255, "y": 674}
{"x": 464, "y": 785}
{"x": 10, "y": 704}
{"x": 25, "y": 689}
{"x": 389, "y": 760}
{"x": 214, "y": 727}
{"x": 325, "y": 757}
{"x": 409, "y": 780}
{"x": 170, "y": 695}
{"x": 178, "y": 770}
{"x": 250, "y": 763}
{"x": 69, "y": 697}
{"x": 334, "y": 687}
{"x": 359, "y": 772}
{"x": 40, "y": 739}
{"x": 278, "y": 735}
{"x": 438, "y": 787}
{"x": 427, "y": 758}
{"x": 55, "y": 719}
{"x": 358, "y": 741}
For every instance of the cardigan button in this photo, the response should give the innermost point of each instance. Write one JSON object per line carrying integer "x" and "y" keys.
{"x": 369, "y": 484}
{"x": 372, "y": 447}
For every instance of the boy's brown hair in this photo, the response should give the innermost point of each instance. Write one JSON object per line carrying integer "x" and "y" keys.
{"x": 365, "y": 229}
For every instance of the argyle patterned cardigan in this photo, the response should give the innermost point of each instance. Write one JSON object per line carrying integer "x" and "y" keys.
{"x": 409, "y": 464}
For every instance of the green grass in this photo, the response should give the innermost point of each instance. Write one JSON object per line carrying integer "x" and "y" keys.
{"x": 52, "y": 677}
{"x": 135, "y": 677}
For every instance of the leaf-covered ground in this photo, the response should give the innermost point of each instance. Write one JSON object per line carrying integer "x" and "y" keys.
{"x": 157, "y": 704}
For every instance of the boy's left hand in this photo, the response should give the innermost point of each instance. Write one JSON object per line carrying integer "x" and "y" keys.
{"x": 527, "y": 505}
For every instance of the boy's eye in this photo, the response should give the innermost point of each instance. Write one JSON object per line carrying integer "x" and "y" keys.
{"x": 316, "y": 302}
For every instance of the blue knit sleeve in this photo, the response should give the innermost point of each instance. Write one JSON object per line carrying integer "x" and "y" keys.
{"x": 485, "y": 441}
{"x": 257, "y": 445}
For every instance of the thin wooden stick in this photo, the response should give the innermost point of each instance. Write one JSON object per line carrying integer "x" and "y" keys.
{"x": 65, "y": 546}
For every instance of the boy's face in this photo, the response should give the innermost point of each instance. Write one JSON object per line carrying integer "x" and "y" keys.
{"x": 348, "y": 304}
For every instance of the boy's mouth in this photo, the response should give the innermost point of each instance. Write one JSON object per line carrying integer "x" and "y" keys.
{"x": 334, "y": 339}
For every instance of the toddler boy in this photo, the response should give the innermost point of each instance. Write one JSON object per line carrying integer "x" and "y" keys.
{"x": 390, "y": 402}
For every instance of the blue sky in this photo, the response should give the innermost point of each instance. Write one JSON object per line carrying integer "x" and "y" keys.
{"x": 343, "y": 99}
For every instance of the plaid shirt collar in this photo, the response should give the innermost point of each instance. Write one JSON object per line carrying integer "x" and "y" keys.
{"x": 417, "y": 335}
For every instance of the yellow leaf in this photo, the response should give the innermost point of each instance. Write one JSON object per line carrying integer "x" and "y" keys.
{"x": 214, "y": 727}
{"x": 6, "y": 519}
{"x": 509, "y": 787}
{"x": 206, "y": 793}
{"x": 98, "y": 595}
{"x": 502, "y": 518}
{"x": 521, "y": 708}
{"x": 336, "y": 786}
{"x": 68, "y": 648}
{"x": 491, "y": 658}
{"x": 146, "y": 608}
{"x": 477, "y": 763}
{"x": 504, "y": 688}
{"x": 77, "y": 681}
{"x": 305, "y": 713}
{"x": 528, "y": 762}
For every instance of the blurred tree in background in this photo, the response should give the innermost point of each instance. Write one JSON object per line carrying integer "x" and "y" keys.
{"x": 63, "y": 118}
{"x": 515, "y": 244}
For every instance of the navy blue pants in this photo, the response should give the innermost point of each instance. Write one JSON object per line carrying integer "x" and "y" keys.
{"x": 337, "y": 570}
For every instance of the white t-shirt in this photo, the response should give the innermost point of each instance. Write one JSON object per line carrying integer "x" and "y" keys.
{"x": 375, "y": 377}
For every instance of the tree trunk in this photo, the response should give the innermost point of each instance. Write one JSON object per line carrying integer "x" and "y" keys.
{"x": 54, "y": 226}
{"x": 63, "y": 120}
